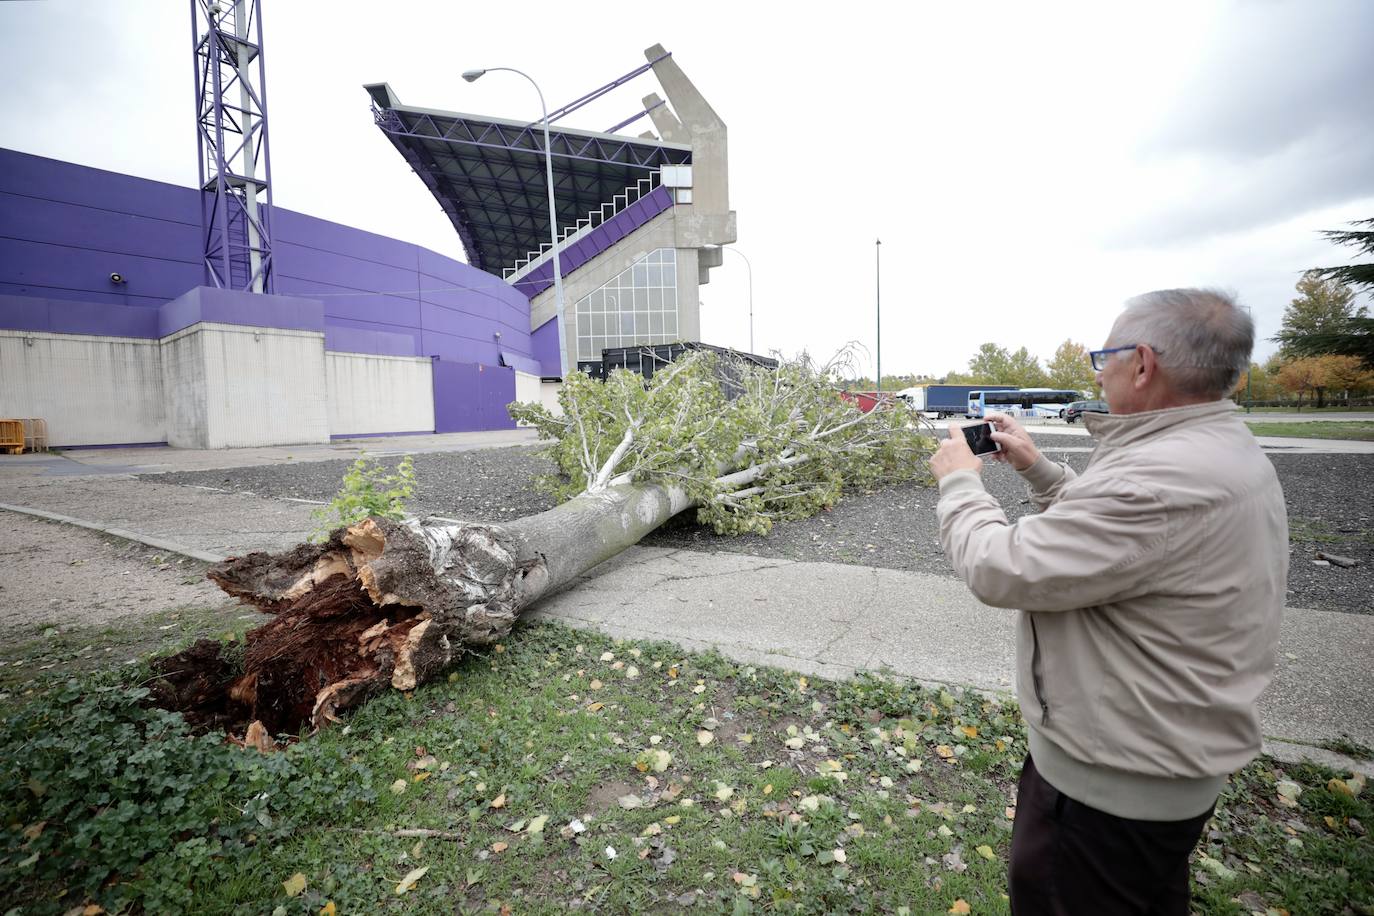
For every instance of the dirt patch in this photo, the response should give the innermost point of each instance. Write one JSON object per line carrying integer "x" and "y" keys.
{"x": 58, "y": 574}
{"x": 604, "y": 797}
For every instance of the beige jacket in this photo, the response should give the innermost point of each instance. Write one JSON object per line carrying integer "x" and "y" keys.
{"x": 1151, "y": 590}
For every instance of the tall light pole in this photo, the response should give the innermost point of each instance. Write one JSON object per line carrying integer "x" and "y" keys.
{"x": 751, "y": 294}
{"x": 474, "y": 75}
{"x": 878, "y": 300}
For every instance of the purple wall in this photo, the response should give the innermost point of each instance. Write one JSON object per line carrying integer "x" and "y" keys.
{"x": 472, "y": 397}
{"x": 65, "y": 228}
{"x": 545, "y": 343}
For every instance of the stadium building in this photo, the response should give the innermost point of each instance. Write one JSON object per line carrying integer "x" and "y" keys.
{"x": 139, "y": 312}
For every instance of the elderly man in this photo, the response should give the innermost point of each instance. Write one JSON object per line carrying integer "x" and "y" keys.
{"x": 1150, "y": 590}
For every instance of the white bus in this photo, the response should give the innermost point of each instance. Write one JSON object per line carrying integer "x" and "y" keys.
{"x": 1022, "y": 402}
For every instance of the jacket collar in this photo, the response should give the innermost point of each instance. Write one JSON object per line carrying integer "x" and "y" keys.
{"x": 1115, "y": 430}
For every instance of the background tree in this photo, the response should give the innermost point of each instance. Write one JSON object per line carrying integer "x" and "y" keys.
{"x": 1348, "y": 375}
{"x": 1309, "y": 374}
{"x": 1349, "y": 335}
{"x": 1258, "y": 384}
{"x": 1070, "y": 368}
{"x": 991, "y": 365}
{"x": 1360, "y": 276}
{"x": 1025, "y": 371}
{"x": 1321, "y": 305}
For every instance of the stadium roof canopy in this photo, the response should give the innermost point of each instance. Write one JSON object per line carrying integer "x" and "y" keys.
{"x": 488, "y": 173}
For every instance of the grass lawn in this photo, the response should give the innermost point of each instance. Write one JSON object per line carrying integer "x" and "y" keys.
{"x": 1316, "y": 429}
{"x": 1293, "y": 408}
{"x": 565, "y": 771}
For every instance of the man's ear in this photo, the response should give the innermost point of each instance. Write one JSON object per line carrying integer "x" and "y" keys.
{"x": 1147, "y": 368}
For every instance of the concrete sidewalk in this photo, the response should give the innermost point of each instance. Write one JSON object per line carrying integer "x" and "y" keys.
{"x": 822, "y": 618}
{"x": 833, "y": 620}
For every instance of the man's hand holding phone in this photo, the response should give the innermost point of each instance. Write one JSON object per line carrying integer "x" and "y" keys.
{"x": 957, "y": 452}
{"x": 1017, "y": 447}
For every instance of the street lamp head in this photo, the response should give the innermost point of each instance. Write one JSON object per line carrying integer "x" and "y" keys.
{"x": 472, "y": 75}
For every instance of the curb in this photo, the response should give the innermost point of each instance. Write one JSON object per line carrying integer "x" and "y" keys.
{"x": 1293, "y": 752}
{"x": 125, "y": 534}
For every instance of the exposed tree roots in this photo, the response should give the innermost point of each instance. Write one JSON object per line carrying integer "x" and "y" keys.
{"x": 388, "y": 604}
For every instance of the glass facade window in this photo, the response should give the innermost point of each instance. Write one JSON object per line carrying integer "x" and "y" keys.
{"x": 638, "y": 306}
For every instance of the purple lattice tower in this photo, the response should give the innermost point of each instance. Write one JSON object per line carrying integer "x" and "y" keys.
{"x": 231, "y": 134}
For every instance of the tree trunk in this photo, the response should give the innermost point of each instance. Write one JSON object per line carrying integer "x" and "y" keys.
{"x": 385, "y": 603}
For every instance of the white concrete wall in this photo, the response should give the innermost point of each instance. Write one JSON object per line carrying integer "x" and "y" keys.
{"x": 380, "y": 394}
{"x": 548, "y": 396}
{"x": 262, "y": 386}
{"x": 526, "y": 387}
{"x": 91, "y": 390}
{"x": 184, "y": 384}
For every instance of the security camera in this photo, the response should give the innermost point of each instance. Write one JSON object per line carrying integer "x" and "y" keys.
{"x": 116, "y": 278}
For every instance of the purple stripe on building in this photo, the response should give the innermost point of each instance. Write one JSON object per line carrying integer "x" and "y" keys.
{"x": 598, "y": 240}
{"x": 60, "y": 316}
{"x": 227, "y": 306}
{"x": 65, "y": 228}
{"x": 544, "y": 342}
{"x": 351, "y": 338}
{"x": 521, "y": 363}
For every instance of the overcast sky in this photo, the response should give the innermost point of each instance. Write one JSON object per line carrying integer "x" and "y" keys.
{"x": 1027, "y": 166}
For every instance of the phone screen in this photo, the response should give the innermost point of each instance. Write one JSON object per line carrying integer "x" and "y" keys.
{"x": 980, "y": 439}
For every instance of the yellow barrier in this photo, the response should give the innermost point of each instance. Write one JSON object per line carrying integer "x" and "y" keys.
{"x": 12, "y": 436}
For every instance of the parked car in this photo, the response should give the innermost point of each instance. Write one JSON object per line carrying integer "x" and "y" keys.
{"x": 1076, "y": 409}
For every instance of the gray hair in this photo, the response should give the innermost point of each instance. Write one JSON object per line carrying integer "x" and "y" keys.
{"x": 1203, "y": 338}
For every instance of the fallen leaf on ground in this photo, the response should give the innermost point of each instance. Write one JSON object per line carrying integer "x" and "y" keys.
{"x": 294, "y": 885}
{"x": 499, "y": 847}
{"x": 1215, "y": 867}
{"x": 409, "y": 880}
{"x": 961, "y": 906}
{"x": 537, "y": 823}
{"x": 954, "y": 861}
{"x": 499, "y": 801}
{"x": 704, "y": 737}
{"x": 986, "y": 852}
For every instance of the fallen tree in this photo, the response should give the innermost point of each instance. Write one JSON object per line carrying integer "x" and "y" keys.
{"x": 390, "y": 604}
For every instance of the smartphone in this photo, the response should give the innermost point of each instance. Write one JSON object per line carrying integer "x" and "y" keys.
{"x": 980, "y": 439}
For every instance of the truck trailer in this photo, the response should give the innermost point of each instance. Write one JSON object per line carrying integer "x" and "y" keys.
{"x": 945, "y": 400}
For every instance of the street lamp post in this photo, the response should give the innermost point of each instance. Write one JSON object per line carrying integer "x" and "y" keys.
{"x": 751, "y": 295}
{"x": 878, "y": 301}
{"x": 473, "y": 76}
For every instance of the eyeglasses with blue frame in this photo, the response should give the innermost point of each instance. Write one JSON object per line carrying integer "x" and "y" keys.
{"x": 1099, "y": 357}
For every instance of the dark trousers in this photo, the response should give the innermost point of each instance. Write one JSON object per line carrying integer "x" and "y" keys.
{"x": 1068, "y": 858}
